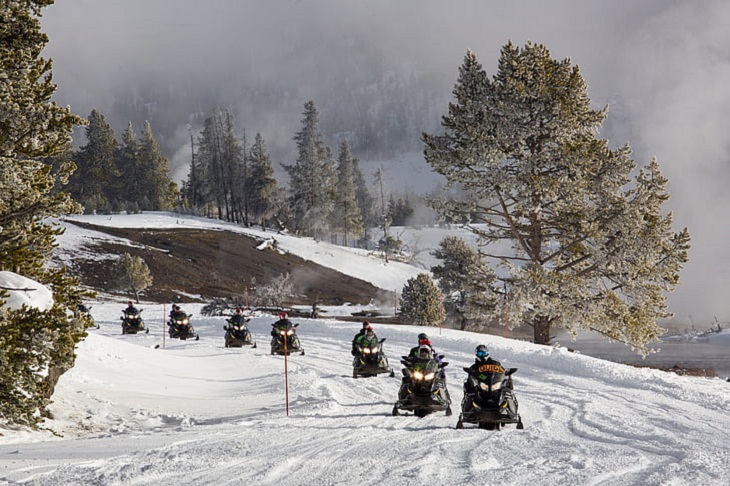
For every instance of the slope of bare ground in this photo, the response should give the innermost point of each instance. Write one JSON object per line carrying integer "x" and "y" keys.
{"x": 194, "y": 264}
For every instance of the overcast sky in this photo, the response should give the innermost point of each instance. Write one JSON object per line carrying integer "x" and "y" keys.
{"x": 662, "y": 66}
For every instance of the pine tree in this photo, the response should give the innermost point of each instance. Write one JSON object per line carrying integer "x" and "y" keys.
{"x": 311, "y": 178}
{"x": 261, "y": 187}
{"x": 93, "y": 182}
{"x": 131, "y": 182}
{"x": 157, "y": 188}
{"x": 348, "y": 217}
{"x": 35, "y": 346}
{"x": 590, "y": 250}
{"x": 132, "y": 274}
{"x": 466, "y": 283}
{"x": 220, "y": 157}
{"x": 420, "y": 302}
{"x": 195, "y": 191}
{"x": 364, "y": 199}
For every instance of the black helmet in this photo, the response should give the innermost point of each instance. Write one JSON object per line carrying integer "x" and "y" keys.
{"x": 422, "y": 336}
{"x": 481, "y": 351}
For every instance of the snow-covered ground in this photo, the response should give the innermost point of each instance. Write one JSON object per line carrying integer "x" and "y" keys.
{"x": 144, "y": 409}
{"x": 195, "y": 412}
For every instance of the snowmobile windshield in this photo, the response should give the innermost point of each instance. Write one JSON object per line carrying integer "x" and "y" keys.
{"x": 491, "y": 374}
{"x": 425, "y": 370}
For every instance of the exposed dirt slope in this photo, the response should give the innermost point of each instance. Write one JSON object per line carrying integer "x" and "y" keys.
{"x": 210, "y": 264}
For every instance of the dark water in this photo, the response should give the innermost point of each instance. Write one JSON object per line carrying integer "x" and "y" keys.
{"x": 670, "y": 352}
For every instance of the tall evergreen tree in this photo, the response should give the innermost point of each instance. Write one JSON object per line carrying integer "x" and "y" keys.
{"x": 348, "y": 217}
{"x": 420, "y": 302}
{"x": 590, "y": 250}
{"x": 364, "y": 199}
{"x": 131, "y": 172}
{"x": 194, "y": 190}
{"x": 35, "y": 346}
{"x": 94, "y": 181}
{"x": 311, "y": 178}
{"x": 261, "y": 186}
{"x": 466, "y": 282}
{"x": 220, "y": 157}
{"x": 158, "y": 188}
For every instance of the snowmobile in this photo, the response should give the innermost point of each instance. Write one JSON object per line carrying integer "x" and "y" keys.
{"x": 424, "y": 389}
{"x": 238, "y": 335}
{"x": 489, "y": 399}
{"x": 370, "y": 360}
{"x": 285, "y": 339}
{"x": 132, "y": 323}
{"x": 83, "y": 314}
{"x": 179, "y": 327}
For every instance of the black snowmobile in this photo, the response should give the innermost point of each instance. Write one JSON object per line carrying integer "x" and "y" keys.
{"x": 370, "y": 360}
{"x": 423, "y": 390}
{"x": 285, "y": 339}
{"x": 132, "y": 323}
{"x": 179, "y": 327}
{"x": 489, "y": 400}
{"x": 238, "y": 335}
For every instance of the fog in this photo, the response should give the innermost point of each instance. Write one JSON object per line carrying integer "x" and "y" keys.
{"x": 662, "y": 67}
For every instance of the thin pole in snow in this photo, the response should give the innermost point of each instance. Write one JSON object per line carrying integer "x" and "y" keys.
{"x": 286, "y": 372}
{"x": 164, "y": 313}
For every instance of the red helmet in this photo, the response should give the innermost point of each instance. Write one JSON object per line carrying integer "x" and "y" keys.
{"x": 365, "y": 324}
{"x": 238, "y": 310}
{"x": 369, "y": 329}
{"x": 283, "y": 315}
{"x": 129, "y": 302}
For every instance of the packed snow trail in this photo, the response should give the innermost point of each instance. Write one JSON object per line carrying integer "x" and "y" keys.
{"x": 195, "y": 412}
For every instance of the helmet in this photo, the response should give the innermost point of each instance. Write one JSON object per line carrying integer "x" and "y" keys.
{"x": 283, "y": 315}
{"x": 365, "y": 324}
{"x": 175, "y": 307}
{"x": 424, "y": 352}
{"x": 369, "y": 329}
{"x": 129, "y": 302}
{"x": 422, "y": 336}
{"x": 481, "y": 351}
{"x": 238, "y": 310}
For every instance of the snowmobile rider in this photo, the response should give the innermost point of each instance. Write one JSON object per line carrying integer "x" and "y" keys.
{"x": 365, "y": 339}
{"x": 176, "y": 312}
{"x": 237, "y": 319}
{"x": 481, "y": 358}
{"x": 131, "y": 309}
{"x": 358, "y": 336}
{"x": 416, "y": 352}
{"x": 282, "y": 323}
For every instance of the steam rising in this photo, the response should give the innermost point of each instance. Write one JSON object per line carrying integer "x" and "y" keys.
{"x": 662, "y": 67}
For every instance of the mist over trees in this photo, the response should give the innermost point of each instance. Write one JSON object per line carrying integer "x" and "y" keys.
{"x": 587, "y": 246}
{"x": 111, "y": 177}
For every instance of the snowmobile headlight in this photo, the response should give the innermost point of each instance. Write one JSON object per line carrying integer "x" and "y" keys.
{"x": 366, "y": 351}
{"x": 185, "y": 322}
{"x": 429, "y": 377}
{"x": 417, "y": 375}
{"x": 483, "y": 386}
{"x": 289, "y": 332}
{"x": 497, "y": 386}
